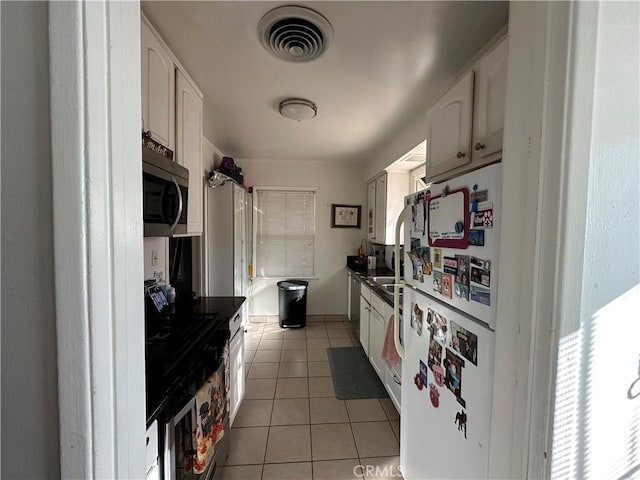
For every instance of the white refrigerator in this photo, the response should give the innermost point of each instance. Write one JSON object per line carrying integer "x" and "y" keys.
{"x": 452, "y": 232}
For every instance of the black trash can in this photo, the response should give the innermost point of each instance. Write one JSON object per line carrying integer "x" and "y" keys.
{"x": 292, "y": 303}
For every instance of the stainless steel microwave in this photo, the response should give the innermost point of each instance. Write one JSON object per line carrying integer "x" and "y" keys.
{"x": 165, "y": 191}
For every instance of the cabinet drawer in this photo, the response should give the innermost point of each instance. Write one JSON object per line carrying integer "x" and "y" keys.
{"x": 378, "y": 304}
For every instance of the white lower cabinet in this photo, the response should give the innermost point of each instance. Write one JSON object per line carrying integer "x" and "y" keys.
{"x": 376, "y": 342}
{"x": 236, "y": 371}
{"x": 375, "y": 314}
{"x": 365, "y": 308}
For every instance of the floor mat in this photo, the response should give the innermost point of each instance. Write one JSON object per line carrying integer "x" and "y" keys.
{"x": 353, "y": 375}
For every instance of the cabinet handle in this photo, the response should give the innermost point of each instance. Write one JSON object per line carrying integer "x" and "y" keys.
{"x": 479, "y": 146}
{"x": 461, "y": 155}
{"x": 396, "y": 379}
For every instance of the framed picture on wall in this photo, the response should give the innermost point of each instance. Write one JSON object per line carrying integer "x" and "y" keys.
{"x": 345, "y": 216}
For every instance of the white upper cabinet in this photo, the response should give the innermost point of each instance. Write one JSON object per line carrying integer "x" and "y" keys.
{"x": 371, "y": 210}
{"x": 189, "y": 147}
{"x": 464, "y": 128}
{"x": 385, "y": 201}
{"x": 488, "y": 117}
{"x": 158, "y": 88}
{"x": 380, "y": 208}
{"x": 449, "y": 129}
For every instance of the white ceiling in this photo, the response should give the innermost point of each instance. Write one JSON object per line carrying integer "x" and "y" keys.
{"x": 385, "y": 59}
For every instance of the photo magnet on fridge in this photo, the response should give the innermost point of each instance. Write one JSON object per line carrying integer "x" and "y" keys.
{"x": 465, "y": 342}
{"x": 453, "y": 366}
{"x": 480, "y": 295}
{"x": 479, "y": 196}
{"x": 437, "y": 258}
{"x": 438, "y": 374}
{"x": 447, "y": 285}
{"x": 416, "y": 318}
{"x": 437, "y": 281}
{"x": 434, "y": 395}
{"x": 418, "y": 381}
{"x": 438, "y": 327}
{"x": 450, "y": 265}
{"x": 476, "y": 238}
{"x": 435, "y": 354}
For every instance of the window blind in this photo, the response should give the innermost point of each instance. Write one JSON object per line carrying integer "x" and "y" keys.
{"x": 285, "y": 233}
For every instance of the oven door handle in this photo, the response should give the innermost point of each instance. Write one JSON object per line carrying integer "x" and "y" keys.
{"x": 179, "y": 214}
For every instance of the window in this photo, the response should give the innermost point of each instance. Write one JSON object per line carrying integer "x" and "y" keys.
{"x": 418, "y": 179}
{"x": 285, "y": 225}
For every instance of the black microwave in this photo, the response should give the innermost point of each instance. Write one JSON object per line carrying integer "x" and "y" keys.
{"x": 165, "y": 191}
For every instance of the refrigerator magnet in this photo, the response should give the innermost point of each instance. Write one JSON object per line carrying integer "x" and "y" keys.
{"x": 434, "y": 395}
{"x": 476, "y": 238}
{"x": 416, "y": 318}
{"x": 448, "y": 219}
{"x": 437, "y": 281}
{"x": 423, "y": 372}
{"x": 435, "y": 354}
{"x": 418, "y": 381}
{"x": 438, "y": 374}
{"x": 483, "y": 218}
{"x": 447, "y": 285}
{"x": 464, "y": 342}
{"x": 453, "y": 366}
{"x": 461, "y": 422}
{"x": 450, "y": 265}
{"x": 437, "y": 257}
{"x": 480, "y": 295}
{"x": 438, "y": 328}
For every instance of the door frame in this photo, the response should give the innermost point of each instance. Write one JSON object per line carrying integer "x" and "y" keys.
{"x": 98, "y": 237}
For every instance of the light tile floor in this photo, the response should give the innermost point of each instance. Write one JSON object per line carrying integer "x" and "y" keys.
{"x": 291, "y": 426}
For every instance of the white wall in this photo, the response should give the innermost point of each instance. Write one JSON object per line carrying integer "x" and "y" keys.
{"x": 161, "y": 246}
{"x": 597, "y": 394}
{"x": 30, "y": 436}
{"x": 336, "y": 183}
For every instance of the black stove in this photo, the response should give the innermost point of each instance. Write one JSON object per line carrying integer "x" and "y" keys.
{"x": 184, "y": 344}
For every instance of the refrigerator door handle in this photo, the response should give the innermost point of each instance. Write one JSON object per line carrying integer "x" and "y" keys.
{"x": 396, "y": 288}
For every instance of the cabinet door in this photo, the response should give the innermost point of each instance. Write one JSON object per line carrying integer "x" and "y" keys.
{"x": 236, "y": 375}
{"x": 488, "y": 118}
{"x": 364, "y": 325}
{"x": 449, "y": 129}
{"x": 189, "y": 147}
{"x": 381, "y": 208}
{"x": 371, "y": 210}
{"x": 376, "y": 342}
{"x": 158, "y": 89}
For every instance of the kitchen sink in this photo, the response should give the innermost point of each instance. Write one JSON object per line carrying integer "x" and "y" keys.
{"x": 384, "y": 281}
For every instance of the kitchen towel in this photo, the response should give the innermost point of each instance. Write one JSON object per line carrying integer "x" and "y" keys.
{"x": 389, "y": 352}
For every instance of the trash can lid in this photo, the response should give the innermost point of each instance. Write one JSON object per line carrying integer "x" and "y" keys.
{"x": 293, "y": 284}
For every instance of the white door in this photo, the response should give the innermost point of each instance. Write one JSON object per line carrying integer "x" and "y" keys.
{"x": 239, "y": 265}
{"x": 381, "y": 208}
{"x": 449, "y": 129}
{"x": 158, "y": 89}
{"x": 455, "y": 370}
{"x": 371, "y": 210}
{"x": 488, "y": 118}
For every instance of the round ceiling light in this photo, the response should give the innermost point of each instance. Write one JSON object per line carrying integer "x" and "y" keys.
{"x": 295, "y": 34}
{"x": 298, "y": 109}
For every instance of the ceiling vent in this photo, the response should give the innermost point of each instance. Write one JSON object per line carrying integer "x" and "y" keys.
{"x": 295, "y": 34}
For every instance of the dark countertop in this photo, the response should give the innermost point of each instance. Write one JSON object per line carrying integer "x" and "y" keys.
{"x": 172, "y": 338}
{"x": 365, "y": 276}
